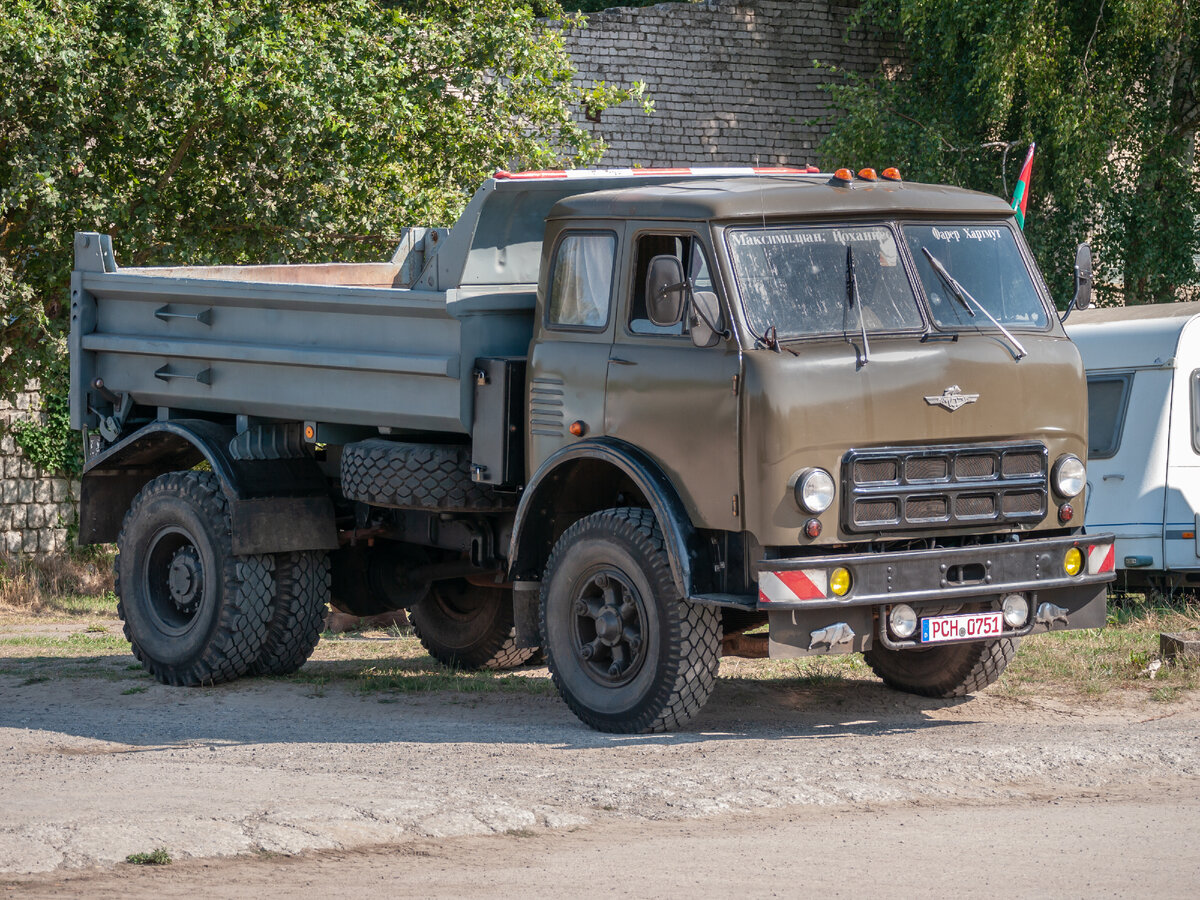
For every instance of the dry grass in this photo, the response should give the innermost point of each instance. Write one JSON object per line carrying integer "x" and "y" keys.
{"x": 57, "y": 587}
{"x": 60, "y": 616}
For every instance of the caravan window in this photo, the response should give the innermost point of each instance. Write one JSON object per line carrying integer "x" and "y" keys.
{"x": 1108, "y": 395}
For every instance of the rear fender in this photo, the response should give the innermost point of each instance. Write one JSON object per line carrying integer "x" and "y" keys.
{"x": 276, "y": 506}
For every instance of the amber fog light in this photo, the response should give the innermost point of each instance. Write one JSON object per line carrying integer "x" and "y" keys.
{"x": 839, "y": 582}
{"x": 1016, "y": 610}
{"x": 902, "y": 620}
{"x": 1073, "y": 561}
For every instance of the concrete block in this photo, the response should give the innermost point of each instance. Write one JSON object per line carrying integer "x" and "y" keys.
{"x": 29, "y": 542}
{"x": 24, "y": 491}
{"x": 12, "y": 543}
{"x": 42, "y": 492}
{"x": 59, "y": 491}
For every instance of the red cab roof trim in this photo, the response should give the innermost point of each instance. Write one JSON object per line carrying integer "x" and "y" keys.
{"x": 690, "y": 171}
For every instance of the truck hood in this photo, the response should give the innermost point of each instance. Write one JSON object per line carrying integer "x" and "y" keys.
{"x": 812, "y": 402}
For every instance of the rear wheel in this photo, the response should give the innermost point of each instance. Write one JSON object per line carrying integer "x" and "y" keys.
{"x": 626, "y": 653}
{"x": 954, "y": 670}
{"x": 297, "y": 612}
{"x": 469, "y": 627}
{"x": 194, "y": 612}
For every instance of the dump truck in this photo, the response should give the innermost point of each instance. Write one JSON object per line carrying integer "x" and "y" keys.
{"x": 629, "y": 419}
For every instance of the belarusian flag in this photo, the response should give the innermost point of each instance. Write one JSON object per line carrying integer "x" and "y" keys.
{"x": 1021, "y": 192}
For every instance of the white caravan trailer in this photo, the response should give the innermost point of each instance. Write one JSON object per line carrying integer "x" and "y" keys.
{"x": 1143, "y": 372}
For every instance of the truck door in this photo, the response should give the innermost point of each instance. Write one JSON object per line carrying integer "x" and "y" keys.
{"x": 568, "y": 359}
{"x": 675, "y": 401}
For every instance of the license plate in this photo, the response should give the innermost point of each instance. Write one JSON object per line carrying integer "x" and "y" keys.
{"x": 961, "y": 628}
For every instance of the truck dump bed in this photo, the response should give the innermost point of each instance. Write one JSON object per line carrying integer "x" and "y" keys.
{"x": 336, "y": 343}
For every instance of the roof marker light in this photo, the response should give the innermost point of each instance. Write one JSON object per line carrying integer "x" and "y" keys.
{"x": 842, "y": 177}
{"x": 868, "y": 174}
{"x": 891, "y": 173}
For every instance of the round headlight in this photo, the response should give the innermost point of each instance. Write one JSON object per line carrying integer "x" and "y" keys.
{"x": 903, "y": 621}
{"x": 1069, "y": 476}
{"x": 814, "y": 490}
{"x": 1016, "y": 610}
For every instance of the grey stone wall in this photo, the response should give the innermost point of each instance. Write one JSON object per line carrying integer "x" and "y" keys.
{"x": 35, "y": 508}
{"x": 733, "y": 81}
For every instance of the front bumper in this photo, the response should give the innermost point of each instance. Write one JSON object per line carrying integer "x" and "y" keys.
{"x": 945, "y": 575}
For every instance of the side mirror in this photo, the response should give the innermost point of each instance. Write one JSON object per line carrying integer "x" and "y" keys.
{"x": 1083, "y": 280}
{"x": 1083, "y": 277}
{"x": 707, "y": 329}
{"x": 666, "y": 289}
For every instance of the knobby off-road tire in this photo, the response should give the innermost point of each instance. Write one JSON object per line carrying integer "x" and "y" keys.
{"x": 415, "y": 476}
{"x": 297, "y": 612}
{"x": 194, "y": 612}
{"x": 469, "y": 627}
{"x": 954, "y": 670}
{"x": 625, "y": 652}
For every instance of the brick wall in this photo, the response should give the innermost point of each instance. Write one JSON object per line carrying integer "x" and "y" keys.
{"x": 733, "y": 81}
{"x": 35, "y": 508}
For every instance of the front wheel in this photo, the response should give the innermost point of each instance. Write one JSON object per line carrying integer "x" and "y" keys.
{"x": 625, "y": 652}
{"x": 954, "y": 670}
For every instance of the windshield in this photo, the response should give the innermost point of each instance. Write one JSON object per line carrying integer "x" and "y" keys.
{"x": 984, "y": 259}
{"x": 794, "y": 279}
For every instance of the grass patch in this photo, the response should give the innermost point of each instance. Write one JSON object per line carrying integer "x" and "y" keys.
{"x": 66, "y": 585}
{"x": 140, "y": 689}
{"x": 1114, "y": 657}
{"x": 156, "y": 857}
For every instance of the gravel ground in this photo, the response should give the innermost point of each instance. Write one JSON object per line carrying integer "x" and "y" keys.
{"x": 92, "y": 774}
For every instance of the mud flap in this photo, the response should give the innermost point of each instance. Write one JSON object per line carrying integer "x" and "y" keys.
{"x": 527, "y": 596}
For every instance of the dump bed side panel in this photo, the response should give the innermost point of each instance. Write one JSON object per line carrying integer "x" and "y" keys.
{"x": 339, "y": 354}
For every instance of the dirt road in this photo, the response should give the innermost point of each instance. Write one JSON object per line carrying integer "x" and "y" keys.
{"x": 92, "y": 774}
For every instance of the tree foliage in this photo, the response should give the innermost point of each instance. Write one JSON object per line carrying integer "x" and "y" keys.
{"x": 1107, "y": 88}
{"x": 238, "y": 131}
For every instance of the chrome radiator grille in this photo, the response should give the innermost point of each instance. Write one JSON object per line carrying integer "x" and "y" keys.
{"x": 911, "y": 489}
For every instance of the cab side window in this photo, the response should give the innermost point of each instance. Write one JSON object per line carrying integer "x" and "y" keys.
{"x": 688, "y": 250}
{"x": 581, "y": 285}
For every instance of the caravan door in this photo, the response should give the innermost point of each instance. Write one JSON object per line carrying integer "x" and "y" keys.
{"x": 1128, "y": 429}
{"x": 1181, "y": 550}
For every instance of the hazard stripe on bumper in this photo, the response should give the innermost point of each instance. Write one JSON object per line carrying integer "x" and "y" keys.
{"x": 793, "y": 585}
{"x": 1102, "y": 558}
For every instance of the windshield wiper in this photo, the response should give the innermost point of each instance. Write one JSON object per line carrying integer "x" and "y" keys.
{"x": 853, "y": 300}
{"x": 964, "y": 297}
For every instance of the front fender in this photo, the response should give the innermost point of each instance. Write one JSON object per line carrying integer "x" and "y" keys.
{"x": 529, "y": 547}
{"x": 276, "y": 506}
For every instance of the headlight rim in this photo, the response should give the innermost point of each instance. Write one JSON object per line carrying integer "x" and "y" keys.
{"x": 1056, "y": 476}
{"x": 798, "y": 484}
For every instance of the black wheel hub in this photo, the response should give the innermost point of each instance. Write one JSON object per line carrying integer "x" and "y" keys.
{"x": 610, "y": 620}
{"x": 185, "y": 579}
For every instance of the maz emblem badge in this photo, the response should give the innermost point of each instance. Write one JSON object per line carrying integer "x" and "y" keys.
{"x": 952, "y": 398}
